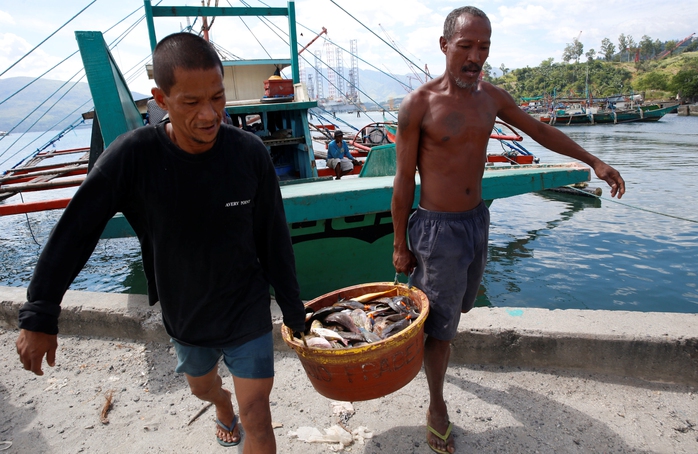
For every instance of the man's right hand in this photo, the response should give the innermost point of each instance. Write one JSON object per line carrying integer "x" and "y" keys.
{"x": 404, "y": 261}
{"x": 32, "y": 346}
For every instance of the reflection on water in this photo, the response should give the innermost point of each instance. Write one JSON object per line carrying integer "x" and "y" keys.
{"x": 509, "y": 259}
{"x": 546, "y": 250}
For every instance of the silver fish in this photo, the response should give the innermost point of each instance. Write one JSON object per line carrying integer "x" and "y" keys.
{"x": 369, "y": 336}
{"x": 330, "y": 335}
{"x": 396, "y": 327}
{"x": 343, "y": 319}
{"x": 361, "y": 319}
{"x": 349, "y": 304}
{"x": 318, "y": 342}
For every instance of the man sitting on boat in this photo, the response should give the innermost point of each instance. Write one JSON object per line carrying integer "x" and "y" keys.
{"x": 338, "y": 156}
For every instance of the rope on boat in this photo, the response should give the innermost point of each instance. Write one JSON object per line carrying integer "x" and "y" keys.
{"x": 320, "y": 117}
{"x": 51, "y": 142}
{"x": 268, "y": 23}
{"x": 26, "y": 215}
{"x": 254, "y": 36}
{"x": 71, "y": 55}
{"x": 633, "y": 206}
{"x": 388, "y": 44}
{"x": 37, "y": 78}
{"x": 44, "y": 114}
{"x": 47, "y": 38}
{"x": 340, "y": 47}
{"x": 360, "y": 59}
{"x": 80, "y": 120}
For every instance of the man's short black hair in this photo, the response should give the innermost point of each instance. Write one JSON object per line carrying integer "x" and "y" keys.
{"x": 182, "y": 50}
{"x": 453, "y": 16}
{"x": 338, "y": 134}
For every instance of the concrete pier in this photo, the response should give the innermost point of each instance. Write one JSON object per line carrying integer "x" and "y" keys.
{"x": 685, "y": 111}
{"x": 659, "y": 347}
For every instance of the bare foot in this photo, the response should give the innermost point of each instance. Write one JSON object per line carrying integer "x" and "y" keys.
{"x": 227, "y": 418}
{"x": 439, "y": 434}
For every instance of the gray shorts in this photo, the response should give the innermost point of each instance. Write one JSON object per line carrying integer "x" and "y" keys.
{"x": 346, "y": 163}
{"x": 451, "y": 252}
{"x": 253, "y": 359}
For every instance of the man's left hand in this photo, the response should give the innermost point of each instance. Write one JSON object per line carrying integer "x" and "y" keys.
{"x": 612, "y": 177}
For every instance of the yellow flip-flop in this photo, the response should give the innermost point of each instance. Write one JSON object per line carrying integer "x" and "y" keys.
{"x": 443, "y": 437}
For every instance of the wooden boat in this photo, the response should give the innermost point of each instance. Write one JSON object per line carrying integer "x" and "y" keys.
{"x": 359, "y": 142}
{"x": 636, "y": 114}
{"x": 334, "y": 224}
{"x": 386, "y": 132}
{"x": 374, "y": 134}
{"x": 42, "y": 172}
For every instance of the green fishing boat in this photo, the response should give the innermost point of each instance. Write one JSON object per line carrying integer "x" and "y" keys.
{"x": 341, "y": 229}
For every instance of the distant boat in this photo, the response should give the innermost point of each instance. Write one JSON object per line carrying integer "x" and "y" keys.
{"x": 637, "y": 114}
{"x": 3, "y": 133}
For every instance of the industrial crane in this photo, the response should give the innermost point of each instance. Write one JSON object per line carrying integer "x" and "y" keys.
{"x": 667, "y": 52}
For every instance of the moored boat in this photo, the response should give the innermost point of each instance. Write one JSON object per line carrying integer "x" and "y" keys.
{"x": 335, "y": 224}
{"x": 606, "y": 116}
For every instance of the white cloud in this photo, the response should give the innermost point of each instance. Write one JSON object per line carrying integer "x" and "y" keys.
{"x": 531, "y": 16}
{"x": 13, "y": 48}
{"x": 524, "y": 32}
{"x": 6, "y": 18}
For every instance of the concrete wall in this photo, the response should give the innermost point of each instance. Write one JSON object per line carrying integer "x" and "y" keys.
{"x": 688, "y": 110}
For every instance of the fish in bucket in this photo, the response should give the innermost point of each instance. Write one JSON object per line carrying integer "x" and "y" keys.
{"x": 361, "y": 363}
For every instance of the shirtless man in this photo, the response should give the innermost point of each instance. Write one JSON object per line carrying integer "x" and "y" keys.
{"x": 443, "y": 131}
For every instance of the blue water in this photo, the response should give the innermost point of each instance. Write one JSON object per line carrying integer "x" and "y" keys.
{"x": 546, "y": 250}
{"x": 569, "y": 252}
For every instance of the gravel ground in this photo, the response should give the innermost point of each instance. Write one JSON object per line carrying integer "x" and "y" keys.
{"x": 493, "y": 409}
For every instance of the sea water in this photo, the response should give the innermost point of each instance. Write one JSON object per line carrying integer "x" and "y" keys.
{"x": 546, "y": 250}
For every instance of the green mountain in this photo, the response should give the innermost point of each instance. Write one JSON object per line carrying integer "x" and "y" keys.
{"x": 43, "y": 104}
{"x": 658, "y": 79}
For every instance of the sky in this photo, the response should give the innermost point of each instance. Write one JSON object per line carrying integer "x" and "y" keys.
{"x": 524, "y": 33}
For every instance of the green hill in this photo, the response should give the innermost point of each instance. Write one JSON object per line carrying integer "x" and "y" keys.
{"x": 44, "y": 104}
{"x": 658, "y": 79}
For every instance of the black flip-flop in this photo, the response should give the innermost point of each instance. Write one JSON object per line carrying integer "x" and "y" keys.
{"x": 228, "y": 444}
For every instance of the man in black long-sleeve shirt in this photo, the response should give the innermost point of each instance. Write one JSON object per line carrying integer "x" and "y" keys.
{"x": 205, "y": 202}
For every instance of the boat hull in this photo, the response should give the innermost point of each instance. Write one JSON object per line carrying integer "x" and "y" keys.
{"x": 342, "y": 231}
{"x": 635, "y": 115}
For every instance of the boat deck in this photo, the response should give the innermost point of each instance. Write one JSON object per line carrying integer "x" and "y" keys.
{"x": 333, "y": 199}
{"x": 327, "y": 199}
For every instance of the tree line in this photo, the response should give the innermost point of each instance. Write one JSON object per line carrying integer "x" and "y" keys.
{"x": 645, "y": 49}
{"x": 607, "y": 75}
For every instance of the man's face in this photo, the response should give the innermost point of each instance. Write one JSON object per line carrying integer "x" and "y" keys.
{"x": 195, "y": 105}
{"x": 467, "y": 50}
{"x": 338, "y": 138}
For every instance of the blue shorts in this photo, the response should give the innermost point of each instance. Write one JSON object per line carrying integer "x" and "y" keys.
{"x": 451, "y": 252}
{"x": 253, "y": 359}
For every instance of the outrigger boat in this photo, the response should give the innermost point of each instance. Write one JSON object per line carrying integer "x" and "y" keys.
{"x": 593, "y": 116}
{"x": 341, "y": 230}
{"x": 382, "y": 133}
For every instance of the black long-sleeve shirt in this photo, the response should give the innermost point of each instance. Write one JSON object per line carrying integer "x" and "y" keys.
{"x": 212, "y": 230}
